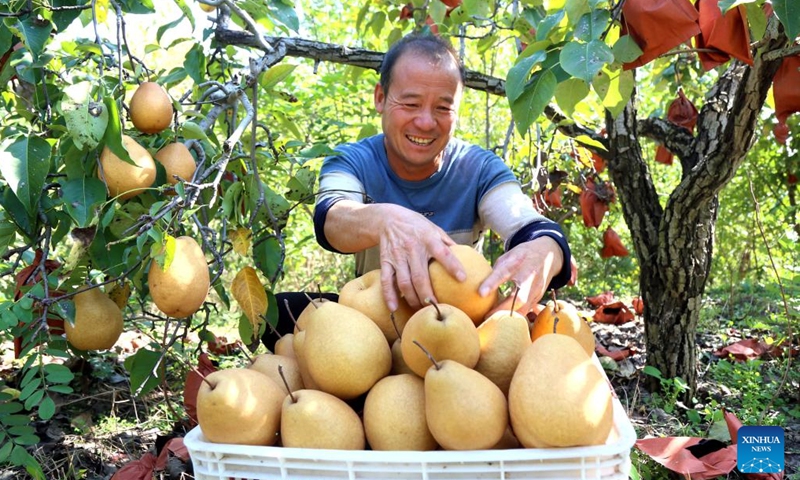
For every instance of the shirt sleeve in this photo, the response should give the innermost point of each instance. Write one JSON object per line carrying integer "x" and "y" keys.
{"x": 507, "y": 211}
{"x": 333, "y": 187}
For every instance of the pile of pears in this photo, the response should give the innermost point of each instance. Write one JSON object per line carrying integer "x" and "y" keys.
{"x": 353, "y": 376}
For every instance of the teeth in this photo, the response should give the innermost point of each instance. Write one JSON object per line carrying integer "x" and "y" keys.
{"x": 420, "y": 141}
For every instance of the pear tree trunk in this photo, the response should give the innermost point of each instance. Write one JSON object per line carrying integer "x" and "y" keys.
{"x": 674, "y": 242}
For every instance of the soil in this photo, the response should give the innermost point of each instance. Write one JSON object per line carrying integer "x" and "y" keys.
{"x": 74, "y": 446}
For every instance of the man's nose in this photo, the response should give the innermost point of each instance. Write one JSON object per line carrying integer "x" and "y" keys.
{"x": 425, "y": 119}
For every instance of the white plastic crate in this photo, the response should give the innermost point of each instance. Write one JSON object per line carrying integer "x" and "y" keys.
{"x": 611, "y": 461}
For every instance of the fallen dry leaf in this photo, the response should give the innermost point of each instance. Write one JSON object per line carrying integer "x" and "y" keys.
{"x": 615, "y": 313}
{"x": 141, "y": 469}
{"x": 612, "y": 245}
{"x": 615, "y": 355}
{"x": 747, "y": 349}
{"x": 602, "y": 299}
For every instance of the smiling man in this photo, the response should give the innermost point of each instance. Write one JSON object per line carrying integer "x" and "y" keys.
{"x": 399, "y": 199}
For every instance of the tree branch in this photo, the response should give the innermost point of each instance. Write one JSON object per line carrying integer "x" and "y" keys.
{"x": 678, "y": 140}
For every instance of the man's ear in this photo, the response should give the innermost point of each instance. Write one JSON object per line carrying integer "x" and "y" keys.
{"x": 380, "y": 97}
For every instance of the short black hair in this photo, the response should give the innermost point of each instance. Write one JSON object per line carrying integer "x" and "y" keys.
{"x": 434, "y": 47}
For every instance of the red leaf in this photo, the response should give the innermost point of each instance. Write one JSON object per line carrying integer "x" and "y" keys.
{"x": 638, "y": 305}
{"x": 682, "y": 112}
{"x": 663, "y": 155}
{"x": 616, "y": 355}
{"x": 612, "y": 245}
{"x": 193, "y": 380}
{"x": 176, "y": 448}
{"x": 673, "y": 453}
{"x": 599, "y": 163}
{"x": 599, "y": 300}
{"x": 727, "y": 34}
{"x": 141, "y": 469}
{"x": 784, "y": 89}
{"x": 658, "y": 26}
{"x": 615, "y": 313}
{"x": 553, "y": 197}
{"x": 594, "y": 200}
{"x": 221, "y": 346}
{"x": 742, "y": 350}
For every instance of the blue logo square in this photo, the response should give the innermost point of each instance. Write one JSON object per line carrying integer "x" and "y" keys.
{"x": 760, "y": 449}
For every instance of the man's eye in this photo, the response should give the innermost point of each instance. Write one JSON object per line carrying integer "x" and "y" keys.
{"x": 411, "y": 105}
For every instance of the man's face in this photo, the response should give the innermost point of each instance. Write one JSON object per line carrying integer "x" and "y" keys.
{"x": 418, "y": 113}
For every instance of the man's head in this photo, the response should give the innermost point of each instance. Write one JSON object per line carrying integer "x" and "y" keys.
{"x": 437, "y": 50}
{"x": 420, "y": 89}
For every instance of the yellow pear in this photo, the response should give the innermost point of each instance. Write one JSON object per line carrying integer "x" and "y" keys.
{"x": 181, "y": 289}
{"x": 98, "y": 321}
{"x": 446, "y": 332}
{"x": 365, "y": 294}
{"x": 558, "y": 397}
{"x": 268, "y": 363}
{"x": 239, "y": 406}
{"x": 150, "y": 108}
{"x": 567, "y": 322}
{"x": 315, "y": 419}
{"x": 206, "y": 7}
{"x": 504, "y": 336}
{"x": 123, "y": 179}
{"x": 285, "y": 346}
{"x": 346, "y": 353}
{"x": 298, "y": 342}
{"x": 464, "y": 295}
{"x": 464, "y": 409}
{"x": 394, "y": 415}
{"x": 398, "y": 362}
{"x": 302, "y": 319}
{"x": 177, "y": 161}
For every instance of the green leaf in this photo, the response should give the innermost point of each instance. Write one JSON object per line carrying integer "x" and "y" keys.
{"x": 268, "y": 256}
{"x": 284, "y": 14}
{"x": 17, "y": 212}
{"x": 21, "y": 430}
{"x": 245, "y": 330}
{"x": 86, "y": 123}
{"x": 80, "y": 197}
{"x": 144, "y": 369}
{"x": 34, "y": 32}
{"x": 34, "y": 399}
{"x": 47, "y": 408}
{"x": 725, "y": 5}
{"x": 477, "y": 8}
{"x": 24, "y": 164}
{"x": 518, "y": 75}
{"x": 614, "y": 89}
{"x": 195, "y": 64}
{"x": 56, "y": 373}
{"x": 187, "y": 12}
{"x": 301, "y": 186}
{"x": 591, "y": 25}
{"x": 652, "y": 371}
{"x": 437, "y": 10}
{"x": 757, "y": 21}
{"x": 192, "y": 131}
{"x": 549, "y": 23}
{"x": 7, "y": 233}
{"x": 590, "y": 142}
{"x": 527, "y": 108}
{"x": 576, "y": 9}
{"x": 585, "y": 60}
{"x": 275, "y": 75}
{"x": 113, "y": 133}
{"x": 626, "y": 49}
{"x": 788, "y": 12}
{"x": 5, "y": 451}
{"x": 569, "y": 93}
{"x": 15, "y": 420}
{"x": 10, "y": 407}
{"x": 27, "y": 440}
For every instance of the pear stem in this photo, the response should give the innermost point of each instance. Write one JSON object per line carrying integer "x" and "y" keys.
{"x": 514, "y": 300}
{"x": 202, "y": 377}
{"x": 556, "y": 308}
{"x": 246, "y": 355}
{"x": 310, "y": 299}
{"x": 439, "y": 315}
{"x": 288, "y": 388}
{"x": 394, "y": 324}
{"x": 427, "y": 354}
{"x": 289, "y": 311}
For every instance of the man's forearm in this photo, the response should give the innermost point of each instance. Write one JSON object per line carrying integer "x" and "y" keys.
{"x": 352, "y": 226}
